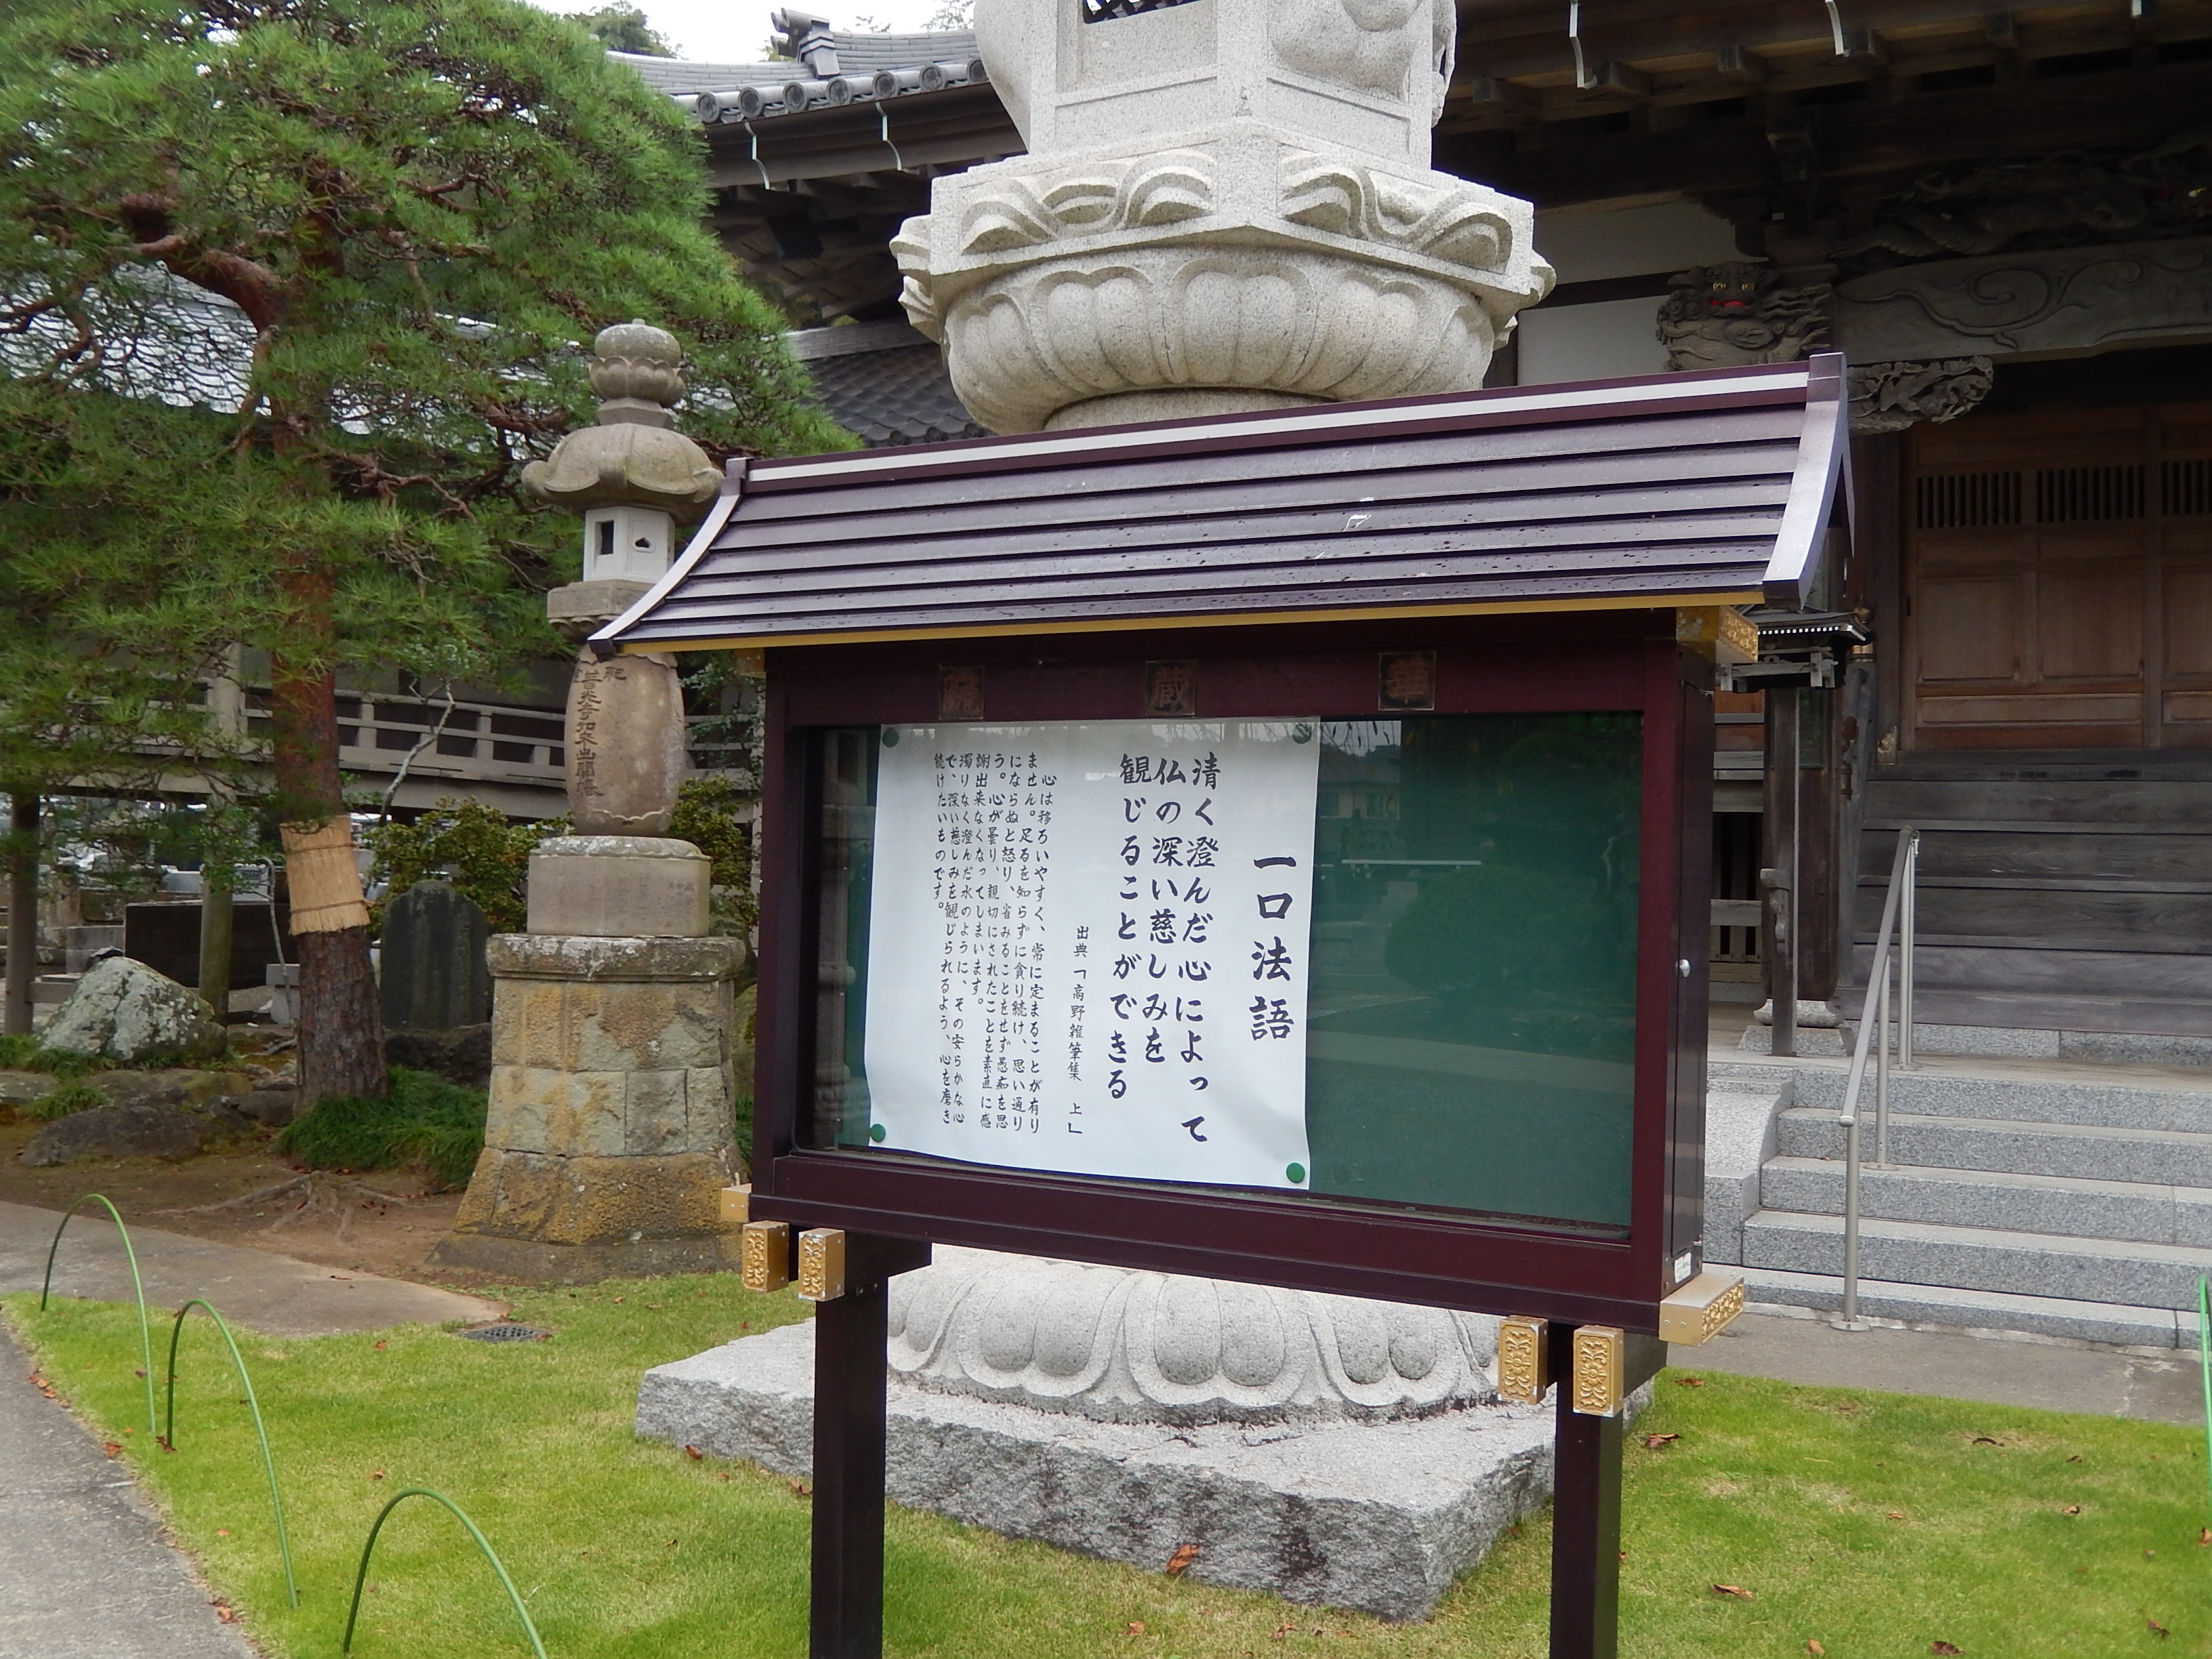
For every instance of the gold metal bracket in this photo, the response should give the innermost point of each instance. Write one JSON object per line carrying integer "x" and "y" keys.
{"x": 1524, "y": 1369}
{"x": 1600, "y": 1369}
{"x": 1718, "y": 632}
{"x": 822, "y": 1263}
{"x": 1701, "y": 1310}
{"x": 765, "y": 1254}
{"x": 737, "y": 1207}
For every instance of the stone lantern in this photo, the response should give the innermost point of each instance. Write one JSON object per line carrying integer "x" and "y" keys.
{"x": 1226, "y": 205}
{"x": 609, "y": 1134}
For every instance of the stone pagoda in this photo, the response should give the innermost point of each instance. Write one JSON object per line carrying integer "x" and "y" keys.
{"x": 610, "y": 1135}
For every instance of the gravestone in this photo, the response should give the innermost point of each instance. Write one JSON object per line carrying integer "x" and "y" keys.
{"x": 433, "y": 956}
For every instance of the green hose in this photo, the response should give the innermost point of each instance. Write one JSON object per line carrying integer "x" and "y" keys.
{"x": 145, "y": 1334}
{"x": 483, "y": 1543}
{"x": 268, "y": 1462}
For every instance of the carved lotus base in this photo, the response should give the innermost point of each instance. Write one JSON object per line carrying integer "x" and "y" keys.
{"x": 1121, "y": 1346}
{"x": 1303, "y": 324}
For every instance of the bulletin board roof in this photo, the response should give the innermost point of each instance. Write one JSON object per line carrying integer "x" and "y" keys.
{"x": 1696, "y": 487}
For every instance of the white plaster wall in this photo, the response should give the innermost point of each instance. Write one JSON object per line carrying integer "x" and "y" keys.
{"x": 1586, "y": 245}
{"x": 1602, "y": 341}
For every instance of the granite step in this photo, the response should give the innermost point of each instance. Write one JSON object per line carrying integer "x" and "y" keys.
{"x": 2018, "y": 1263}
{"x": 2020, "y": 1097}
{"x": 1989, "y": 1310}
{"x": 2081, "y": 1152}
{"x": 2056, "y": 1206}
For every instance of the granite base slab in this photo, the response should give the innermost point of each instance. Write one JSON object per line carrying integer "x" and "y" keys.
{"x": 1378, "y": 1517}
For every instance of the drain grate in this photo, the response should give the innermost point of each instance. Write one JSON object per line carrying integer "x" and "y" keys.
{"x": 506, "y": 1334}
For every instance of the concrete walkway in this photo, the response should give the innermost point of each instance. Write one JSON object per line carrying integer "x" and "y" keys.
{"x": 1988, "y": 1366}
{"x": 85, "y": 1570}
{"x": 271, "y": 1293}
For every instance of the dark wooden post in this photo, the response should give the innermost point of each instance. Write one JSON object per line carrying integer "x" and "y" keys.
{"x": 1779, "y": 877}
{"x": 849, "y": 1383}
{"x": 1585, "y": 1520}
{"x": 850, "y": 1378}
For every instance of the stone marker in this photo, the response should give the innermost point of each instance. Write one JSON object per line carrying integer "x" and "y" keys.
{"x": 432, "y": 960}
{"x": 124, "y": 1012}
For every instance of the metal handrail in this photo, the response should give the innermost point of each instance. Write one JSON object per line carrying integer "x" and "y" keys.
{"x": 1873, "y": 1033}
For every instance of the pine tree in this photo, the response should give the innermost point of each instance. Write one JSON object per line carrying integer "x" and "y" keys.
{"x": 289, "y": 291}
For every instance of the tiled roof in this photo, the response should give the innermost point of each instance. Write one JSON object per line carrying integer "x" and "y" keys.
{"x": 885, "y": 383}
{"x": 1702, "y": 487}
{"x": 844, "y": 68}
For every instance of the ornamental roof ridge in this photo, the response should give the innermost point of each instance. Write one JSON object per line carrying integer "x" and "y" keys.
{"x": 871, "y": 68}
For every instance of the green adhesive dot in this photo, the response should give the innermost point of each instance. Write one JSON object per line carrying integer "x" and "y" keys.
{"x": 876, "y": 1132}
{"x": 891, "y": 736}
{"x": 1297, "y": 1172}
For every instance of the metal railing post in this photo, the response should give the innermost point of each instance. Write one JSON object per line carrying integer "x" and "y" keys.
{"x": 1873, "y": 1026}
{"x": 1909, "y": 926}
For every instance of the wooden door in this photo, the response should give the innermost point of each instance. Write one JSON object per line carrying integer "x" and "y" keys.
{"x": 2059, "y": 580}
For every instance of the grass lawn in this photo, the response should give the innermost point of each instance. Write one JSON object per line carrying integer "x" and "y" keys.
{"x": 1873, "y": 1524}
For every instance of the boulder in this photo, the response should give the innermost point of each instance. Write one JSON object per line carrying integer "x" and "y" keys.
{"x": 135, "y": 1131}
{"x": 22, "y": 1088}
{"x": 124, "y": 1012}
{"x": 272, "y": 1106}
{"x": 175, "y": 1085}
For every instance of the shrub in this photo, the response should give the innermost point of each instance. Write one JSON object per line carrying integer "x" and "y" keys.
{"x": 468, "y": 844}
{"x": 425, "y": 1122}
{"x": 27, "y": 1054}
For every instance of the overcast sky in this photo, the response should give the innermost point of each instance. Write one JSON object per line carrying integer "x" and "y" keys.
{"x": 735, "y": 31}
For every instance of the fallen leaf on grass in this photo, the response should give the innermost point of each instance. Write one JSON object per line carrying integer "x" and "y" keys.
{"x": 376, "y": 1474}
{"x": 1736, "y": 1590}
{"x": 1984, "y": 1440}
{"x": 1689, "y": 1382}
{"x": 1136, "y": 1627}
{"x": 1654, "y": 1441}
{"x": 1180, "y": 1560}
{"x": 1282, "y": 1630}
{"x": 2073, "y": 1509}
{"x": 1943, "y": 1647}
{"x": 617, "y": 1301}
{"x": 2204, "y": 1538}
{"x": 2156, "y": 1629}
{"x": 223, "y": 1531}
{"x": 693, "y": 1453}
{"x": 379, "y": 1347}
{"x": 655, "y": 1306}
{"x": 800, "y": 1489}
{"x": 112, "y": 1448}
{"x": 1815, "y": 1648}
{"x": 2075, "y": 1458}
{"x": 225, "y": 1612}
{"x": 1897, "y": 1514}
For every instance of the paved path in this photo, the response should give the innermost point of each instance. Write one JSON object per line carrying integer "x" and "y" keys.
{"x": 2000, "y": 1369}
{"x": 271, "y": 1293}
{"x": 85, "y": 1570}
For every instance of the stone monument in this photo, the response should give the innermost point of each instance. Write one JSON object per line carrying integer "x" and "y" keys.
{"x": 609, "y": 1136}
{"x": 435, "y": 984}
{"x": 1225, "y": 206}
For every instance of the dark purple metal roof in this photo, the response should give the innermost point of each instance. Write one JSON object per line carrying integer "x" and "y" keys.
{"x": 1702, "y": 487}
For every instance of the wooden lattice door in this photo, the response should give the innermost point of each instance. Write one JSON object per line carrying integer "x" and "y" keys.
{"x": 2059, "y": 580}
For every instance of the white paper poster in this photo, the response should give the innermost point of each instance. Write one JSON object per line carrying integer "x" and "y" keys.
{"x": 1087, "y": 946}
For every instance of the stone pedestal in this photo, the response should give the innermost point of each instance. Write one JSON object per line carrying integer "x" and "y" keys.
{"x": 610, "y": 1135}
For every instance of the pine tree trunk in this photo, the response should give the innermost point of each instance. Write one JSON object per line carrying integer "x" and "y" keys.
{"x": 16, "y": 1017}
{"x": 341, "y": 1025}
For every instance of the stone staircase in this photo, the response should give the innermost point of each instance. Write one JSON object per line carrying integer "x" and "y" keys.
{"x": 2062, "y": 1199}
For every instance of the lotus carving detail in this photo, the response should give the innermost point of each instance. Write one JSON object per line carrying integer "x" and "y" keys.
{"x": 1023, "y": 212}
{"x": 1345, "y": 199}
